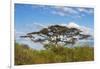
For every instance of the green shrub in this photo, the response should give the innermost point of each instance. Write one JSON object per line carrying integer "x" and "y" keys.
{"x": 52, "y": 54}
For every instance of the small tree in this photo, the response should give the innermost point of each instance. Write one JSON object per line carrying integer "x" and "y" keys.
{"x": 56, "y": 34}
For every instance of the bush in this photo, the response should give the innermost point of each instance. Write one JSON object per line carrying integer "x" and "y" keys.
{"x": 52, "y": 54}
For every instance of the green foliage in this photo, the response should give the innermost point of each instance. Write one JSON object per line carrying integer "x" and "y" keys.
{"x": 55, "y": 34}
{"x": 52, "y": 54}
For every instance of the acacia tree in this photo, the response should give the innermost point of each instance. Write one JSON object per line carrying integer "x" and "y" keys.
{"x": 56, "y": 34}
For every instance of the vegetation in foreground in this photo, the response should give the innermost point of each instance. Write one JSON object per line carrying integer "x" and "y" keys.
{"x": 25, "y": 55}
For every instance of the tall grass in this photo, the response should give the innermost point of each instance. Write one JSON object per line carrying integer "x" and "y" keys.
{"x": 25, "y": 55}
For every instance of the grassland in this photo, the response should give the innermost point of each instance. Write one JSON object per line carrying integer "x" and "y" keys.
{"x": 25, "y": 55}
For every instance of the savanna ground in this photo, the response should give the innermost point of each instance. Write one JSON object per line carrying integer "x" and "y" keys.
{"x": 25, "y": 55}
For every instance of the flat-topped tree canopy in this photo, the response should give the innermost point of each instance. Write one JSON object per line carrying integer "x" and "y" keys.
{"x": 57, "y": 33}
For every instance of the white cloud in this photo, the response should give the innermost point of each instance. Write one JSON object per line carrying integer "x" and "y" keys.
{"x": 73, "y": 25}
{"x": 28, "y": 28}
{"x": 33, "y": 27}
{"x": 66, "y": 11}
{"x": 81, "y": 10}
{"x": 63, "y": 24}
{"x": 18, "y": 32}
{"x": 69, "y": 11}
{"x": 88, "y": 11}
{"x": 85, "y": 30}
{"x": 58, "y": 13}
{"x": 39, "y": 24}
{"x": 63, "y": 11}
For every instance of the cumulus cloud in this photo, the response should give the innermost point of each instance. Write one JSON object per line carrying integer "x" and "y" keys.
{"x": 73, "y": 25}
{"x": 85, "y": 30}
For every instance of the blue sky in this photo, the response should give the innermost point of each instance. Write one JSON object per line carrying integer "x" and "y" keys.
{"x": 29, "y": 17}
